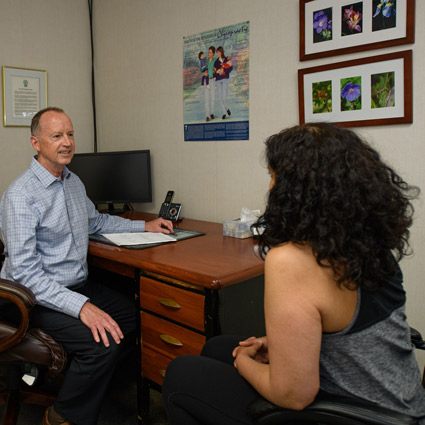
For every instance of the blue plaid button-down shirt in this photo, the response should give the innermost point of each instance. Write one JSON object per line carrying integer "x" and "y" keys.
{"x": 45, "y": 222}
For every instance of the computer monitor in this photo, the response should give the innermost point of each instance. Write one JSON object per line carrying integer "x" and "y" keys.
{"x": 115, "y": 177}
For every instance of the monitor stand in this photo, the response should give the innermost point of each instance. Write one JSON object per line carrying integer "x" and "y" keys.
{"x": 114, "y": 211}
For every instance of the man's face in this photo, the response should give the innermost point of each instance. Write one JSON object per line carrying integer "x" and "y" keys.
{"x": 54, "y": 141}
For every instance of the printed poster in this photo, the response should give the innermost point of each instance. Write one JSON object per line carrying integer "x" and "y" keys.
{"x": 216, "y": 84}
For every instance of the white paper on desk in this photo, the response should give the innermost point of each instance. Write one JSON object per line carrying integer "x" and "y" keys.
{"x": 138, "y": 238}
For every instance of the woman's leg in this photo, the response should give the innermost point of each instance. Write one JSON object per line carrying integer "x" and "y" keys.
{"x": 221, "y": 93}
{"x": 221, "y": 348}
{"x": 201, "y": 390}
{"x": 207, "y": 101}
{"x": 212, "y": 97}
{"x": 225, "y": 90}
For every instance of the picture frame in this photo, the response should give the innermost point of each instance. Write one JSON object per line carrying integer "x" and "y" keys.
{"x": 338, "y": 27}
{"x": 24, "y": 94}
{"x": 369, "y": 91}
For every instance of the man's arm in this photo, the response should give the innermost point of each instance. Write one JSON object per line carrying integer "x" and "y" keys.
{"x": 94, "y": 318}
{"x": 24, "y": 264}
{"x": 105, "y": 223}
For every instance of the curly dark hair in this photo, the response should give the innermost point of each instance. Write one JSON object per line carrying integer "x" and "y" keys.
{"x": 333, "y": 192}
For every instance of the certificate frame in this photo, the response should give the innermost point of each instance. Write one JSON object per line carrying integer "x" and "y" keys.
{"x": 330, "y": 35}
{"x": 370, "y": 91}
{"x": 24, "y": 94}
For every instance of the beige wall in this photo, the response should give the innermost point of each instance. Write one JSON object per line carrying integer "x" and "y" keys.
{"x": 138, "y": 58}
{"x": 52, "y": 35}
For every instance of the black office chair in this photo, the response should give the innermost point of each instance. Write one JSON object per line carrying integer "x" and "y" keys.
{"x": 328, "y": 409}
{"x": 29, "y": 358}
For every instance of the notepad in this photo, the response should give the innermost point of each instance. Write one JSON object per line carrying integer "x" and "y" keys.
{"x": 145, "y": 238}
{"x": 177, "y": 235}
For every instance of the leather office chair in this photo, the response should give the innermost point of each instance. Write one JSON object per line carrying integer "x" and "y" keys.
{"x": 332, "y": 410}
{"x": 25, "y": 354}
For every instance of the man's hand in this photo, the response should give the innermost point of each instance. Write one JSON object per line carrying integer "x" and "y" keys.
{"x": 99, "y": 322}
{"x": 159, "y": 225}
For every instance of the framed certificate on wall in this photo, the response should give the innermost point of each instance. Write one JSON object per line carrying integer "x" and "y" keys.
{"x": 24, "y": 94}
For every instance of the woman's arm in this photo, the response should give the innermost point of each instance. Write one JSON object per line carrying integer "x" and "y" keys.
{"x": 217, "y": 65}
{"x": 293, "y": 327}
{"x": 229, "y": 66}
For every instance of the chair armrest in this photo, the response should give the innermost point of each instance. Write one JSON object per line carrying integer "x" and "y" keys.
{"x": 15, "y": 291}
{"x": 24, "y": 299}
{"x": 34, "y": 345}
{"x": 417, "y": 339}
{"x": 1, "y": 252}
{"x": 327, "y": 410}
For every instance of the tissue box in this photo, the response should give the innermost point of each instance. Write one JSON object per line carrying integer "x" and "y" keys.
{"x": 237, "y": 228}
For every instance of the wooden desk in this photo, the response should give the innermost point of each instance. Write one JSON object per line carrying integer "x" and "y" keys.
{"x": 187, "y": 292}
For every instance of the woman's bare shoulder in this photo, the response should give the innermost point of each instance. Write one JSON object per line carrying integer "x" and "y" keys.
{"x": 291, "y": 254}
{"x": 297, "y": 266}
{"x": 293, "y": 274}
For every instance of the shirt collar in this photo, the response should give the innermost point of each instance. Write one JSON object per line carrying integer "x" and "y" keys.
{"x": 45, "y": 177}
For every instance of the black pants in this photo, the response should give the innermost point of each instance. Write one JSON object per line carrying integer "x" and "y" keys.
{"x": 92, "y": 364}
{"x": 207, "y": 389}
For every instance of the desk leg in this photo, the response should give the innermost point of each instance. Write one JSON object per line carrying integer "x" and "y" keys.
{"x": 143, "y": 388}
{"x": 143, "y": 401}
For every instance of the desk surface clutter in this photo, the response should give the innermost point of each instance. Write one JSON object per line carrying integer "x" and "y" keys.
{"x": 212, "y": 260}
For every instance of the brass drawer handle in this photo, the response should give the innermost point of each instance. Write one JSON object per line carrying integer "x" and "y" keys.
{"x": 169, "y": 303}
{"x": 171, "y": 340}
{"x": 162, "y": 372}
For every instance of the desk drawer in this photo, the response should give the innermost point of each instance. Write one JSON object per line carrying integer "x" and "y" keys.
{"x": 171, "y": 339}
{"x": 177, "y": 304}
{"x": 154, "y": 365}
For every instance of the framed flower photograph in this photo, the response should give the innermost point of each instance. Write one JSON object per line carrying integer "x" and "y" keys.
{"x": 337, "y": 27}
{"x": 369, "y": 91}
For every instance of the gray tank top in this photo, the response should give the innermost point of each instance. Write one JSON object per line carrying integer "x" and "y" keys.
{"x": 373, "y": 358}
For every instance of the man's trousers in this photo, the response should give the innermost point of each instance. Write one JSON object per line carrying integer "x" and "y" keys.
{"x": 91, "y": 364}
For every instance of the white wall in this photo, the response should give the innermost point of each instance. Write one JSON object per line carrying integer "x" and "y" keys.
{"x": 139, "y": 59}
{"x": 52, "y": 35}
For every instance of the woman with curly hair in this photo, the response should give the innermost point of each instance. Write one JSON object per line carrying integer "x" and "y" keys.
{"x": 337, "y": 222}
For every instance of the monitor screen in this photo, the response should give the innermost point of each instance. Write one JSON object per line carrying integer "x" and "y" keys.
{"x": 121, "y": 177}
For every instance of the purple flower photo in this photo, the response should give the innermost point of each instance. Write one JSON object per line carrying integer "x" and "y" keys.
{"x": 322, "y": 25}
{"x": 351, "y": 90}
